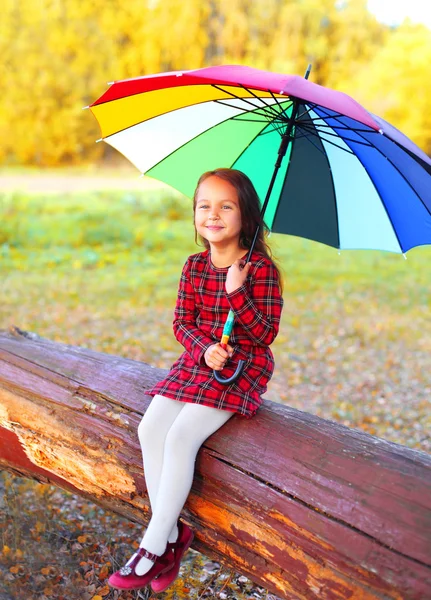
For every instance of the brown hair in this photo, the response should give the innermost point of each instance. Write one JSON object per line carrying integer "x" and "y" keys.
{"x": 250, "y": 213}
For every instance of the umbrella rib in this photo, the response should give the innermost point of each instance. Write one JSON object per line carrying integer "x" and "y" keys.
{"x": 312, "y": 106}
{"x": 341, "y": 125}
{"x": 311, "y": 142}
{"x": 268, "y": 112}
{"x": 267, "y": 132}
{"x": 286, "y": 119}
{"x": 245, "y": 111}
{"x": 279, "y": 104}
{"x": 268, "y": 107}
{"x": 322, "y": 133}
{"x": 338, "y": 126}
{"x": 334, "y": 116}
{"x": 325, "y": 124}
{"x": 237, "y": 97}
{"x": 312, "y": 133}
{"x": 240, "y": 117}
{"x": 276, "y": 126}
{"x": 272, "y": 116}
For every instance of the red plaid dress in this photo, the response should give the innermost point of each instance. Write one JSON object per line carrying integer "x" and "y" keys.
{"x": 200, "y": 314}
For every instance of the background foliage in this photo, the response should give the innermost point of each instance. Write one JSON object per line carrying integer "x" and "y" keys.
{"x": 58, "y": 55}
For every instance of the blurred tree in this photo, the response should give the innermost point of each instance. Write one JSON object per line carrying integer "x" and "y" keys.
{"x": 396, "y": 83}
{"x": 57, "y": 55}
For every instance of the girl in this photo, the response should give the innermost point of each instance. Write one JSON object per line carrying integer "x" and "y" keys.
{"x": 189, "y": 405}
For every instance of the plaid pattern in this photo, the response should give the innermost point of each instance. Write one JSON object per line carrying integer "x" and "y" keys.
{"x": 200, "y": 314}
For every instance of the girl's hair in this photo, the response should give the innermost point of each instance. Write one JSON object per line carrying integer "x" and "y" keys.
{"x": 250, "y": 213}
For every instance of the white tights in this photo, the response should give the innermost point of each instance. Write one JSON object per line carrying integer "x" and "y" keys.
{"x": 170, "y": 434}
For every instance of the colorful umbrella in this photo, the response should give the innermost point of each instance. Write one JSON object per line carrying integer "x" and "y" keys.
{"x": 349, "y": 179}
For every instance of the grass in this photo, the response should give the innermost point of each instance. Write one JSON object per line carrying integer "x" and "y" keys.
{"x": 101, "y": 269}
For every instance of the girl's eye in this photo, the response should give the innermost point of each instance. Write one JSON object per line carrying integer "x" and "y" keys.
{"x": 228, "y": 206}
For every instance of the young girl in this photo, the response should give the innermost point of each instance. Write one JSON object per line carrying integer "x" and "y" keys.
{"x": 189, "y": 405}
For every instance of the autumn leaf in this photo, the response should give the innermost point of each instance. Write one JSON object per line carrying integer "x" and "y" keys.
{"x": 82, "y": 539}
{"x": 104, "y": 572}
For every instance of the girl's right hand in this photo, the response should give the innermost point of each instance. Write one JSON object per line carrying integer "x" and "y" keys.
{"x": 215, "y": 357}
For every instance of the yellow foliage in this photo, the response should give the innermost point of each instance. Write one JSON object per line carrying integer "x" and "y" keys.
{"x": 58, "y": 55}
{"x": 395, "y": 84}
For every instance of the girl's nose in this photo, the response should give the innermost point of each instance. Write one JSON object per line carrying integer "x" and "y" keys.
{"x": 214, "y": 213}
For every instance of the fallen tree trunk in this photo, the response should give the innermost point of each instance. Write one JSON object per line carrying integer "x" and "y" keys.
{"x": 308, "y": 508}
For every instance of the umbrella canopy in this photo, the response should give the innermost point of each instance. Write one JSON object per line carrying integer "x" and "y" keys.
{"x": 349, "y": 179}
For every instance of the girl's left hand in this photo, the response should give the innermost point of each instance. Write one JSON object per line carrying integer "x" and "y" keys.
{"x": 236, "y": 275}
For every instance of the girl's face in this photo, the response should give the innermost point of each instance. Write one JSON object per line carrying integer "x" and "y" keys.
{"x": 218, "y": 213}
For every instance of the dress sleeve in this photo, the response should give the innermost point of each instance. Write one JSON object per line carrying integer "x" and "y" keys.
{"x": 257, "y": 304}
{"x": 184, "y": 325}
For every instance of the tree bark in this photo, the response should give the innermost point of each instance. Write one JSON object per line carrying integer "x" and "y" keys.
{"x": 305, "y": 507}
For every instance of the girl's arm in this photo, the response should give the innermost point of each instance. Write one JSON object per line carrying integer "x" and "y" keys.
{"x": 184, "y": 326}
{"x": 257, "y": 306}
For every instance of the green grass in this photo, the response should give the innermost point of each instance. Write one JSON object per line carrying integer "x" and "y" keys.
{"x": 141, "y": 239}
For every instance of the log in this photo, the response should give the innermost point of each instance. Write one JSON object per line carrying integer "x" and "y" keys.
{"x": 303, "y": 506}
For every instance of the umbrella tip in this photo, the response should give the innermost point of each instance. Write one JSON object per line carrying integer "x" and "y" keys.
{"x": 405, "y": 257}
{"x": 179, "y": 74}
{"x": 381, "y": 131}
{"x": 99, "y": 140}
{"x": 84, "y": 107}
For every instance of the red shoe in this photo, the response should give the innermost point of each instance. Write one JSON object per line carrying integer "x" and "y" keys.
{"x": 180, "y": 547}
{"x": 127, "y": 579}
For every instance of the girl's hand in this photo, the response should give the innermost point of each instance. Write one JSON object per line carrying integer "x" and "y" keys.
{"x": 215, "y": 357}
{"x": 236, "y": 275}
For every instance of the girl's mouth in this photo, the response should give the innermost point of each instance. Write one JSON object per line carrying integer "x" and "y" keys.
{"x": 214, "y": 228}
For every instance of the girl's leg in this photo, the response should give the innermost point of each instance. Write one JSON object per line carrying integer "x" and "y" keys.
{"x": 152, "y": 431}
{"x": 194, "y": 424}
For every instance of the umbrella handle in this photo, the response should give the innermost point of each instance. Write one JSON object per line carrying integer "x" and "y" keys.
{"x": 227, "y": 330}
{"x": 233, "y": 378}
